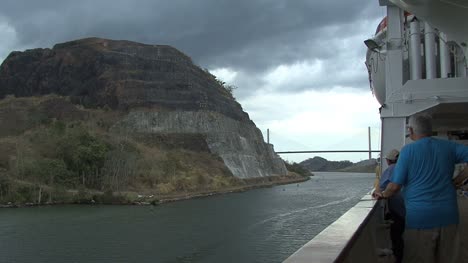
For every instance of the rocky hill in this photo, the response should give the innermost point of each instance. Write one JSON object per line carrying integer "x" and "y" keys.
{"x": 134, "y": 116}
{"x": 120, "y": 75}
{"x": 321, "y": 164}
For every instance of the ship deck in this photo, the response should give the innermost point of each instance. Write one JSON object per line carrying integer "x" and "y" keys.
{"x": 359, "y": 233}
{"x": 463, "y": 207}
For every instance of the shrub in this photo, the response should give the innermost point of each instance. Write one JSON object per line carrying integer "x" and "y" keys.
{"x": 109, "y": 198}
{"x": 5, "y": 187}
{"x": 83, "y": 196}
{"x": 23, "y": 194}
{"x": 54, "y": 171}
{"x": 83, "y": 154}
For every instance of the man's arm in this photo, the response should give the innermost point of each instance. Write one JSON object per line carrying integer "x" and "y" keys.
{"x": 461, "y": 153}
{"x": 461, "y": 178}
{"x": 376, "y": 182}
{"x": 391, "y": 190}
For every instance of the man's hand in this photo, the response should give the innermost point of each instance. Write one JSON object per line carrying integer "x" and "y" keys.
{"x": 376, "y": 194}
{"x": 391, "y": 189}
{"x": 461, "y": 179}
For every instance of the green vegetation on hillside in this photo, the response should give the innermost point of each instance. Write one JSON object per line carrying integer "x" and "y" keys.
{"x": 321, "y": 164}
{"x": 45, "y": 159}
{"x": 52, "y": 151}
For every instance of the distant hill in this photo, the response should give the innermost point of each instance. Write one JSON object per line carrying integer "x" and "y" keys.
{"x": 320, "y": 164}
{"x": 365, "y": 166}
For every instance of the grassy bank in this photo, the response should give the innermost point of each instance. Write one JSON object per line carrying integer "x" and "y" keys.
{"x": 86, "y": 196}
{"x": 249, "y": 185}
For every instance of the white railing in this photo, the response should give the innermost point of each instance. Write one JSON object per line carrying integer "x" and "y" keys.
{"x": 355, "y": 237}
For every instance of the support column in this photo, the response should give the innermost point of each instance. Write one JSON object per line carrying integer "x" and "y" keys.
{"x": 394, "y": 58}
{"x": 393, "y": 128}
{"x": 415, "y": 60}
{"x": 444, "y": 56}
{"x": 429, "y": 51}
{"x": 393, "y": 136}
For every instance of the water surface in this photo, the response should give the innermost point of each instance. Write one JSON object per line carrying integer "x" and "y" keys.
{"x": 263, "y": 225}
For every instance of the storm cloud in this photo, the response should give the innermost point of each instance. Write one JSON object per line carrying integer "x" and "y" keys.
{"x": 253, "y": 35}
{"x": 295, "y": 63}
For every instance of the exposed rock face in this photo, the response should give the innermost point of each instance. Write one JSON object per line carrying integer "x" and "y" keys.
{"x": 239, "y": 144}
{"x": 120, "y": 74}
{"x": 159, "y": 87}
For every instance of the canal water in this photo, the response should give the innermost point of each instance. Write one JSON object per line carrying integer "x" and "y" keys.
{"x": 262, "y": 225}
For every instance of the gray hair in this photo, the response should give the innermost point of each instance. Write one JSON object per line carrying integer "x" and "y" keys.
{"x": 421, "y": 124}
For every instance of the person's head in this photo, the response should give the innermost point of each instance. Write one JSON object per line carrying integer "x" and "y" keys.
{"x": 419, "y": 126}
{"x": 392, "y": 156}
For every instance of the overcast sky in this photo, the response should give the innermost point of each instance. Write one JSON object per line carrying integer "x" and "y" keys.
{"x": 298, "y": 64}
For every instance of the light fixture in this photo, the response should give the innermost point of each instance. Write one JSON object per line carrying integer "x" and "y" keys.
{"x": 371, "y": 44}
{"x": 376, "y": 42}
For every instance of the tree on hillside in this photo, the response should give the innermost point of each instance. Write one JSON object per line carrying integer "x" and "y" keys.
{"x": 83, "y": 154}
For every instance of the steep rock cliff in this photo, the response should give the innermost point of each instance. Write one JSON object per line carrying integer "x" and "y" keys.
{"x": 239, "y": 144}
{"x": 158, "y": 88}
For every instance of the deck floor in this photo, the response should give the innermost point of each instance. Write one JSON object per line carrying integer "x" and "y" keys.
{"x": 463, "y": 207}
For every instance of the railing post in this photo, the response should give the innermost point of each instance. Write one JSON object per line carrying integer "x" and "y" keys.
{"x": 370, "y": 151}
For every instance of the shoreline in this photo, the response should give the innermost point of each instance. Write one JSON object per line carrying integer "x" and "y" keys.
{"x": 178, "y": 196}
{"x": 237, "y": 189}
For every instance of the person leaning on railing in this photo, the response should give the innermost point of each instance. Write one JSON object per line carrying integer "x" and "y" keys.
{"x": 395, "y": 206}
{"x": 424, "y": 170}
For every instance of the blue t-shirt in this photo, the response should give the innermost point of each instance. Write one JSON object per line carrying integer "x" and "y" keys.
{"x": 425, "y": 169}
{"x": 396, "y": 205}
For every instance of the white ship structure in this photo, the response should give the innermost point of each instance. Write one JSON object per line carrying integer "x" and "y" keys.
{"x": 417, "y": 63}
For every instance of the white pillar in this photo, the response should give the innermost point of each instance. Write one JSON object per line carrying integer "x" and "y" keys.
{"x": 393, "y": 127}
{"x": 444, "y": 56}
{"x": 393, "y": 135}
{"x": 415, "y": 50}
{"x": 429, "y": 51}
{"x": 394, "y": 59}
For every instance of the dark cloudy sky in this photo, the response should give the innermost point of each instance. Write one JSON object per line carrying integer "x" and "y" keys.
{"x": 298, "y": 64}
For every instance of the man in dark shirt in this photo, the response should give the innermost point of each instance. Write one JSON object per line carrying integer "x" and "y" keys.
{"x": 396, "y": 207}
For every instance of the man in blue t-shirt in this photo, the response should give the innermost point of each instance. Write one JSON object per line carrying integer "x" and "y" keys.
{"x": 424, "y": 170}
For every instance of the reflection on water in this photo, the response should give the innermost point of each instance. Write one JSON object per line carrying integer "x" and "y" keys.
{"x": 263, "y": 225}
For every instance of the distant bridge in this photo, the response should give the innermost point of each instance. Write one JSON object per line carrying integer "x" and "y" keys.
{"x": 333, "y": 151}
